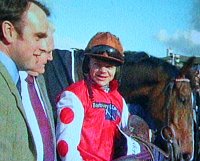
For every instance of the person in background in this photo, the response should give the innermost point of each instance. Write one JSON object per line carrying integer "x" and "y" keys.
{"x": 46, "y": 56}
{"x": 23, "y": 37}
{"x": 91, "y": 110}
{"x": 40, "y": 85}
{"x": 58, "y": 74}
{"x": 62, "y": 71}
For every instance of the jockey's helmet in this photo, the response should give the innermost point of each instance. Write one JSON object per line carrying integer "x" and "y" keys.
{"x": 106, "y": 47}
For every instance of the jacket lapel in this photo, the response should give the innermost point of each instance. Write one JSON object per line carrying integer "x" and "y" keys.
{"x": 14, "y": 91}
{"x": 13, "y": 88}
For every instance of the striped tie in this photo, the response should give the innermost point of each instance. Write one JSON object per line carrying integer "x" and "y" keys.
{"x": 42, "y": 119}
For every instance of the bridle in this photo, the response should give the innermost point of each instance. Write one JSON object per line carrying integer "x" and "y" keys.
{"x": 167, "y": 132}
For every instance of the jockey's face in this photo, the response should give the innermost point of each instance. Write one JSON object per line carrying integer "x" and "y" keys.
{"x": 101, "y": 72}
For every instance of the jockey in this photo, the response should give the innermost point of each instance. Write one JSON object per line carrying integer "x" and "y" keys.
{"x": 91, "y": 111}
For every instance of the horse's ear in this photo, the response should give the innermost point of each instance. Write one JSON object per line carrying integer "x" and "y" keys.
{"x": 187, "y": 67}
{"x": 135, "y": 57}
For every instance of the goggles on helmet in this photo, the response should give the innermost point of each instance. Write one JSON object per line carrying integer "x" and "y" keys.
{"x": 105, "y": 52}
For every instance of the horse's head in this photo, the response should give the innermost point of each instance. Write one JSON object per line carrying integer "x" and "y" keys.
{"x": 166, "y": 93}
{"x": 177, "y": 111}
{"x": 178, "y": 123}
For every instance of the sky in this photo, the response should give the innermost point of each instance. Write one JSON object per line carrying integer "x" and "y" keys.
{"x": 152, "y": 26}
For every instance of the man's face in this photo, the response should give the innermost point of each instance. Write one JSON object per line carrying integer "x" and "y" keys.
{"x": 44, "y": 56}
{"x": 101, "y": 72}
{"x": 30, "y": 45}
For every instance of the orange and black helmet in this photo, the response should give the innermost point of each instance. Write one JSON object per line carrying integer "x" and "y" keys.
{"x": 107, "y": 47}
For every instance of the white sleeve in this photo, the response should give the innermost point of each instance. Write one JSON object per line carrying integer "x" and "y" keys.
{"x": 125, "y": 115}
{"x": 70, "y": 113}
{"x": 133, "y": 147}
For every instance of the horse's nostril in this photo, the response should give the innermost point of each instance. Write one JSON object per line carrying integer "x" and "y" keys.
{"x": 186, "y": 156}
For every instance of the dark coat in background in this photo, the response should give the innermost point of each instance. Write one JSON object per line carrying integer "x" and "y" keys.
{"x": 61, "y": 72}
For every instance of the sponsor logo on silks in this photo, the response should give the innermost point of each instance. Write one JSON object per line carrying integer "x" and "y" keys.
{"x": 111, "y": 111}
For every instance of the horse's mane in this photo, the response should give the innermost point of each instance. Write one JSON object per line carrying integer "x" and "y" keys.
{"x": 144, "y": 69}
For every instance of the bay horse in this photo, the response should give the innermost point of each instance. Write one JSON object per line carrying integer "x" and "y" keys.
{"x": 165, "y": 94}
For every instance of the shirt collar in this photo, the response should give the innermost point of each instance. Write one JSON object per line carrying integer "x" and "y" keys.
{"x": 113, "y": 85}
{"x": 10, "y": 66}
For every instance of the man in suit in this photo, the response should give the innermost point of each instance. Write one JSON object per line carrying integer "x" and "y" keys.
{"x": 23, "y": 39}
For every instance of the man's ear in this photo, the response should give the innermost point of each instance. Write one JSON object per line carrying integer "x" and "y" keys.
{"x": 9, "y": 32}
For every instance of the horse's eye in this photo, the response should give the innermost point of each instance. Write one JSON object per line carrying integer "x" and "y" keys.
{"x": 183, "y": 100}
